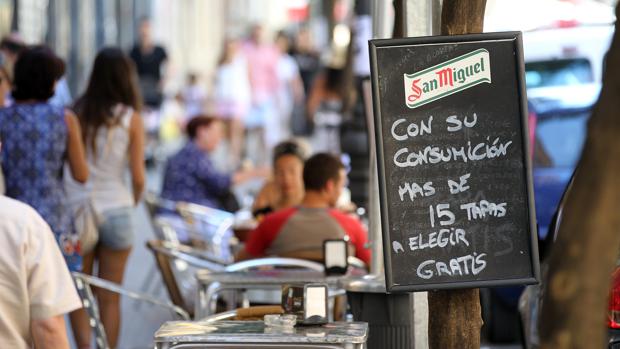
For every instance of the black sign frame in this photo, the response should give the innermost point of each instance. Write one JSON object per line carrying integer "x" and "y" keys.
{"x": 534, "y": 278}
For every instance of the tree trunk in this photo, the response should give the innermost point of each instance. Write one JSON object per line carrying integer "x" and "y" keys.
{"x": 462, "y": 16}
{"x": 585, "y": 253}
{"x": 454, "y": 320}
{"x": 454, "y": 315}
{"x": 399, "y": 19}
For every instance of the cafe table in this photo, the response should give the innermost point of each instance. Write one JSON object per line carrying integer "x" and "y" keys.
{"x": 210, "y": 284}
{"x": 255, "y": 334}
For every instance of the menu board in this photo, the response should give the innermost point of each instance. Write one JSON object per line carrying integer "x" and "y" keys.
{"x": 452, "y": 143}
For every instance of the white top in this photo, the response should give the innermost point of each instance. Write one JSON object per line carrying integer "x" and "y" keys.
{"x": 194, "y": 97}
{"x": 232, "y": 82}
{"x": 287, "y": 71}
{"x": 34, "y": 280}
{"x": 107, "y": 181}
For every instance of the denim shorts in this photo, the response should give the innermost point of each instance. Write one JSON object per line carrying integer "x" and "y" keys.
{"x": 117, "y": 228}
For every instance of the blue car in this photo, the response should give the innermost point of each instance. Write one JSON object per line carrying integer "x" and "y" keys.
{"x": 560, "y": 131}
{"x": 558, "y": 122}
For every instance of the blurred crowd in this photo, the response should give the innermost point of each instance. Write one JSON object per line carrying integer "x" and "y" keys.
{"x": 263, "y": 90}
{"x": 80, "y": 162}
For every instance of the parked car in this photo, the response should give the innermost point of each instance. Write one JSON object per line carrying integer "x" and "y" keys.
{"x": 563, "y": 72}
{"x": 563, "y": 69}
{"x": 613, "y": 319}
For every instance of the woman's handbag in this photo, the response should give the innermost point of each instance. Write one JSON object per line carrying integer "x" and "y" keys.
{"x": 86, "y": 222}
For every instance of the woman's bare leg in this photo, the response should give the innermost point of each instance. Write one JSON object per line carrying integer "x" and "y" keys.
{"x": 111, "y": 267}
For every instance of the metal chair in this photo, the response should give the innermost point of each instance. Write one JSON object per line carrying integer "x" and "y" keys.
{"x": 155, "y": 204}
{"x": 192, "y": 224}
{"x": 209, "y": 228}
{"x": 192, "y": 237}
{"x": 83, "y": 284}
{"x": 177, "y": 265}
{"x": 275, "y": 262}
{"x": 173, "y": 228}
{"x": 163, "y": 230}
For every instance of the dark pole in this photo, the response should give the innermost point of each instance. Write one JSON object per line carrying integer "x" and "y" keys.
{"x": 52, "y": 32}
{"x": 74, "y": 51}
{"x": 100, "y": 14}
{"x": 15, "y": 16}
{"x": 399, "y": 19}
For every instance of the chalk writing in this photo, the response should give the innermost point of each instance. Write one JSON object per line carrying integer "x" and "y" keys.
{"x": 454, "y": 124}
{"x": 460, "y": 186}
{"x": 471, "y": 264}
{"x": 414, "y": 190}
{"x": 476, "y": 210}
{"x": 434, "y": 154}
{"x": 440, "y": 239}
{"x": 412, "y": 130}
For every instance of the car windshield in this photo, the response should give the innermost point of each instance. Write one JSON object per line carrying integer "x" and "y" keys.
{"x": 561, "y": 72}
{"x": 559, "y": 139}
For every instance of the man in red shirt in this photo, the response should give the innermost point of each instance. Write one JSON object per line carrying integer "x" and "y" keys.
{"x": 300, "y": 231}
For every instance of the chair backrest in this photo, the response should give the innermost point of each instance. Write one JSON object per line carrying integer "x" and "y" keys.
{"x": 164, "y": 265}
{"x": 155, "y": 204}
{"x": 166, "y": 222}
{"x": 197, "y": 225}
{"x": 276, "y": 262}
{"x": 90, "y": 305}
{"x": 165, "y": 231}
{"x": 83, "y": 284}
{"x": 151, "y": 203}
{"x": 208, "y": 225}
{"x": 177, "y": 263}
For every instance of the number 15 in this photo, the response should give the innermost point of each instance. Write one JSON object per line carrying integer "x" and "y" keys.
{"x": 443, "y": 211}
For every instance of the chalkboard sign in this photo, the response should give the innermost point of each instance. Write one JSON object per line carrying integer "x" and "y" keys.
{"x": 457, "y": 207}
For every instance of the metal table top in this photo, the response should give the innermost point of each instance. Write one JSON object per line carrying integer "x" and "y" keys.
{"x": 257, "y": 332}
{"x": 263, "y": 277}
{"x": 366, "y": 283}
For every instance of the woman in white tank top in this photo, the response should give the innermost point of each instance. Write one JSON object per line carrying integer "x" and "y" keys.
{"x": 113, "y": 135}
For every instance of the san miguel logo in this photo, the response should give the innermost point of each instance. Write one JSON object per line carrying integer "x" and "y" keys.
{"x": 447, "y": 78}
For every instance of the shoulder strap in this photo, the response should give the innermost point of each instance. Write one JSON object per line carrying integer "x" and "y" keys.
{"x": 126, "y": 117}
{"x": 124, "y": 121}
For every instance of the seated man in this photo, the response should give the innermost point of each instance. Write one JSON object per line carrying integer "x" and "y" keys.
{"x": 36, "y": 288}
{"x": 300, "y": 231}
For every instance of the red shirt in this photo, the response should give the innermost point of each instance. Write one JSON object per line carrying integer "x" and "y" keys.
{"x": 302, "y": 228}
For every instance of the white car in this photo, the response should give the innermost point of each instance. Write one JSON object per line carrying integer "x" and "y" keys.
{"x": 565, "y": 56}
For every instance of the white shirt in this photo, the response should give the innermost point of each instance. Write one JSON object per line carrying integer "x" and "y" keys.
{"x": 195, "y": 97}
{"x": 232, "y": 82}
{"x": 34, "y": 280}
{"x": 108, "y": 166}
{"x": 287, "y": 71}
